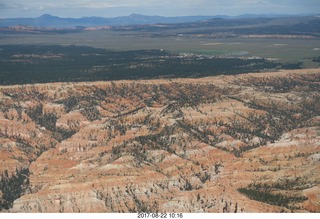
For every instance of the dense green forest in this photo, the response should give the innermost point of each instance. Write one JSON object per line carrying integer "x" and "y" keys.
{"x": 273, "y": 199}
{"x": 13, "y": 186}
{"x": 25, "y": 64}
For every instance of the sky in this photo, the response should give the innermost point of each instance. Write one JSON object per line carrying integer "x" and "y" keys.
{"x": 114, "y": 8}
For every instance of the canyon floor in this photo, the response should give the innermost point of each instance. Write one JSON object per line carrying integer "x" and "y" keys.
{"x": 243, "y": 143}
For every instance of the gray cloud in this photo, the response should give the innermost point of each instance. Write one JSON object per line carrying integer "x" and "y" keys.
{"x": 4, "y": 6}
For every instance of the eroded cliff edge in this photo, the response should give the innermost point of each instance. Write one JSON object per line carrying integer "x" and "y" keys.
{"x": 247, "y": 143}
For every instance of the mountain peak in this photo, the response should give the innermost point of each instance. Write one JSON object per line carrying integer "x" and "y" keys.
{"x": 137, "y": 15}
{"x": 46, "y": 16}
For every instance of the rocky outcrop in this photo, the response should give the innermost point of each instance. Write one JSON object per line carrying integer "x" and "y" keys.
{"x": 221, "y": 144}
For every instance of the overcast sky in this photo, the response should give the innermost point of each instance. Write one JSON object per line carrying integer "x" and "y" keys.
{"x": 112, "y": 8}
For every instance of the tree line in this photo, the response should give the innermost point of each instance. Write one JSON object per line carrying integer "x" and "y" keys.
{"x": 43, "y": 64}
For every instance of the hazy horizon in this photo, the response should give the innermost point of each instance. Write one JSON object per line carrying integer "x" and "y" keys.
{"x": 112, "y": 8}
{"x": 53, "y": 15}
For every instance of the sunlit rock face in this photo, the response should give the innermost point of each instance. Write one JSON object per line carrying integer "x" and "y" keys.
{"x": 246, "y": 143}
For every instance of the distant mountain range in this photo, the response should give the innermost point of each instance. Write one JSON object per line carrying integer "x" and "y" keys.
{"x": 50, "y": 21}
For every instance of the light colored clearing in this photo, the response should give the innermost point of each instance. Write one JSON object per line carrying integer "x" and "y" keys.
{"x": 316, "y": 49}
{"x": 83, "y": 166}
{"x": 314, "y": 157}
{"x": 211, "y": 44}
{"x": 280, "y": 44}
{"x": 241, "y": 53}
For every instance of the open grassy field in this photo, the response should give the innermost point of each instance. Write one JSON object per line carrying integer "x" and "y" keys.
{"x": 283, "y": 49}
